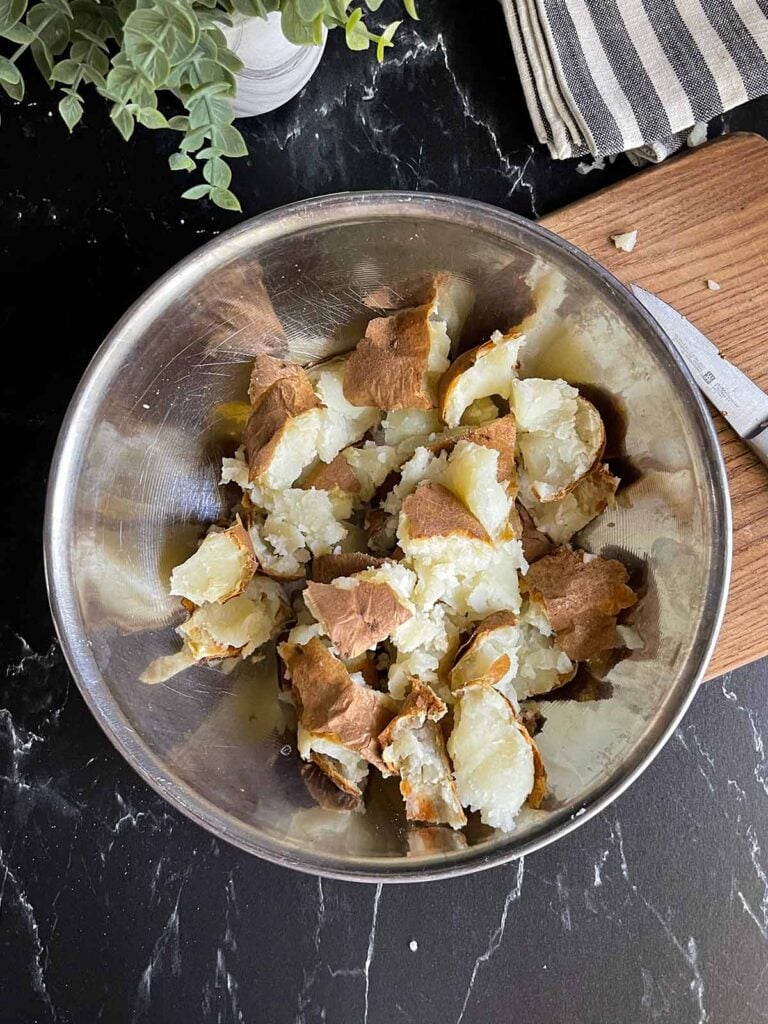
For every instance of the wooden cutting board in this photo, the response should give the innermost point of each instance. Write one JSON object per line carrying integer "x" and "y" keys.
{"x": 704, "y": 216}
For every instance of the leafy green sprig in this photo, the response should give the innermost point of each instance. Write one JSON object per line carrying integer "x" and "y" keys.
{"x": 130, "y": 51}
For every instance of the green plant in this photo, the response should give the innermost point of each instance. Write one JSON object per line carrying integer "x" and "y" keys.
{"x": 131, "y": 50}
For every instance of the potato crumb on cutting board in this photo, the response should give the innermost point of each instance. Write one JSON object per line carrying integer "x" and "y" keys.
{"x": 625, "y": 240}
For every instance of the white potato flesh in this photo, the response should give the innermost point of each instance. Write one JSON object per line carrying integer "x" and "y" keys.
{"x": 453, "y": 303}
{"x": 422, "y": 644}
{"x": 308, "y": 514}
{"x": 480, "y": 412}
{"x": 244, "y": 623}
{"x": 471, "y": 474}
{"x": 402, "y": 425}
{"x": 399, "y": 577}
{"x": 418, "y": 753}
{"x": 342, "y": 423}
{"x": 484, "y": 652}
{"x": 472, "y": 577}
{"x": 235, "y": 470}
{"x": 165, "y": 667}
{"x": 295, "y": 451}
{"x": 219, "y": 569}
{"x": 492, "y": 759}
{"x": 559, "y": 436}
{"x": 422, "y": 466}
{"x": 438, "y": 360}
{"x": 372, "y": 464}
{"x": 543, "y": 406}
{"x": 541, "y": 665}
{"x": 303, "y": 632}
{"x": 492, "y": 373}
{"x": 562, "y": 519}
{"x": 284, "y": 553}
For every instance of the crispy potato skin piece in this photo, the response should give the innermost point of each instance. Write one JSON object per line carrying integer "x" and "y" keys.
{"x": 327, "y": 568}
{"x": 334, "y": 475}
{"x": 388, "y": 369}
{"x": 328, "y": 787}
{"x": 434, "y": 511}
{"x": 581, "y": 599}
{"x": 356, "y": 619}
{"x": 267, "y": 370}
{"x": 535, "y": 543}
{"x": 331, "y": 705}
{"x": 286, "y": 398}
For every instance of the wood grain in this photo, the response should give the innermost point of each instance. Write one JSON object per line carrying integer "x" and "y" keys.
{"x": 704, "y": 216}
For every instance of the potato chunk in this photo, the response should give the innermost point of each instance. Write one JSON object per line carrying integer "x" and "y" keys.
{"x": 493, "y": 757}
{"x": 561, "y": 437}
{"x": 332, "y": 706}
{"x": 581, "y": 595}
{"x": 489, "y": 369}
{"x": 562, "y": 519}
{"x": 413, "y": 748}
{"x": 221, "y": 568}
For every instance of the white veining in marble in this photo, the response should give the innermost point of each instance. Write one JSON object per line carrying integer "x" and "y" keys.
{"x": 497, "y": 935}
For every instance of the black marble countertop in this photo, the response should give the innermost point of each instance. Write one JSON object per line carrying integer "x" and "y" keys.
{"x": 115, "y": 908}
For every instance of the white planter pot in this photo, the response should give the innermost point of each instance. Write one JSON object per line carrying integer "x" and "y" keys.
{"x": 274, "y": 70}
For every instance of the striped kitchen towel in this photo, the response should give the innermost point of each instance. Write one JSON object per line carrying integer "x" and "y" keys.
{"x": 614, "y": 76}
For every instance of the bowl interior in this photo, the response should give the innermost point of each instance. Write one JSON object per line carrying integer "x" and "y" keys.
{"x": 135, "y": 483}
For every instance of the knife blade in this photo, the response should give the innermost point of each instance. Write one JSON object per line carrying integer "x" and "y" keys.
{"x": 743, "y": 404}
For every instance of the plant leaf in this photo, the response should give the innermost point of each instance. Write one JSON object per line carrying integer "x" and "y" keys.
{"x": 71, "y": 110}
{"x": 65, "y": 71}
{"x": 91, "y": 37}
{"x": 193, "y": 140}
{"x": 385, "y": 39}
{"x": 14, "y": 89}
{"x": 294, "y": 28}
{"x": 225, "y": 199}
{"x": 210, "y": 109}
{"x": 43, "y": 58}
{"x": 181, "y": 162}
{"x": 9, "y": 72}
{"x": 228, "y": 141}
{"x": 216, "y": 172}
{"x": 196, "y": 192}
{"x": 147, "y": 43}
{"x": 308, "y": 10}
{"x": 93, "y": 77}
{"x": 178, "y": 123}
{"x": 410, "y": 9}
{"x": 51, "y": 28}
{"x": 356, "y": 33}
{"x": 19, "y": 34}
{"x": 62, "y": 6}
{"x": 11, "y": 80}
{"x": 373, "y": 5}
{"x": 11, "y": 11}
{"x": 122, "y": 120}
{"x": 126, "y": 83}
{"x": 151, "y": 118}
{"x": 229, "y": 60}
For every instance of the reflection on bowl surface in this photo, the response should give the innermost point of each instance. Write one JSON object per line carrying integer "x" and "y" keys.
{"x": 135, "y": 481}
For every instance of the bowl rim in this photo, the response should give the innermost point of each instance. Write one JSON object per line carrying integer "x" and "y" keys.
{"x": 59, "y": 510}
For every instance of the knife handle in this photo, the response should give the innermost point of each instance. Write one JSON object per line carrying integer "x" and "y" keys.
{"x": 759, "y": 445}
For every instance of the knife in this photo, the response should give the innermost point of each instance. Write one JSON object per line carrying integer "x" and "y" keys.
{"x": 743, "y": 404}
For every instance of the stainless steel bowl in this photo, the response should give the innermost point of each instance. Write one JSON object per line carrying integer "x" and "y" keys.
{"x": 134, "y": 479}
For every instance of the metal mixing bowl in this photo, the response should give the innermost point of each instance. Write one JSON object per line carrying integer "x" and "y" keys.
{"x": 134, "y": 481}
